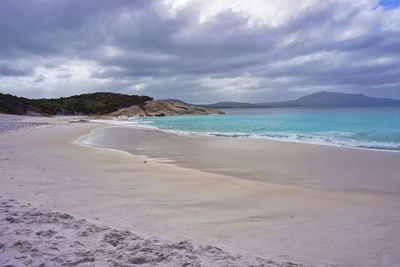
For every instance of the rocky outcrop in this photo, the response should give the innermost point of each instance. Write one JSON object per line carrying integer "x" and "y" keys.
{"x": 165, "y": 108}
{"x": 129, "y": 111}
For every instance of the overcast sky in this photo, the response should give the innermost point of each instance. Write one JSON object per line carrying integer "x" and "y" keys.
{"x": 200, "y": 51}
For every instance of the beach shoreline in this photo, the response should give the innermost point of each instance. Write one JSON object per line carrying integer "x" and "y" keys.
{"x": 132, "y": 124}
{"x": 282, "y": 222}
{"x": 258, "y": 159}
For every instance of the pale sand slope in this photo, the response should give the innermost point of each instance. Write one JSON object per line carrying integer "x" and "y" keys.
{"x": 280, "y": 222}
{"x": 31, "y": 237}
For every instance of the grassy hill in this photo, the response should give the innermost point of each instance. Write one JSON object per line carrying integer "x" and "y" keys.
{"x": 84, "y": 104}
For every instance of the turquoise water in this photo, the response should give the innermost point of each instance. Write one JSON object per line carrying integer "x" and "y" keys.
{"x": 376, "y": 128}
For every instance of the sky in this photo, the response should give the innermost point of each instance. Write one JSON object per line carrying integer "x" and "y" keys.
{"x": 200, "y": 51}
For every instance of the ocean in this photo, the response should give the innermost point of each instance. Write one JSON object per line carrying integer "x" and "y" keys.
{"x": 372, "y": 128}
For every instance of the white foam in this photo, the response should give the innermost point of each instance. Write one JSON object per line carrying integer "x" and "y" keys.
{"x": 325, "y": 138}
{"x": 125, "y": 122}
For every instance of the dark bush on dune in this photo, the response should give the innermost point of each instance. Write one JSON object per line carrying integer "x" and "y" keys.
{"x": 87, "y": 104}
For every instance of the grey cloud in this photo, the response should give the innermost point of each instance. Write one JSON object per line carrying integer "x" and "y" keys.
{"x": 10, "y": 70}
{"x": 138, "y": 44}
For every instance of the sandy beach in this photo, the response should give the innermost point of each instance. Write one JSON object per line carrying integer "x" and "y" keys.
{"x": 266, "y": 200}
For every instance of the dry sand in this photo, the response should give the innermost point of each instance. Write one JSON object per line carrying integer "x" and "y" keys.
{"x": 281, "y": 222}
{"x": 32, "y": 237}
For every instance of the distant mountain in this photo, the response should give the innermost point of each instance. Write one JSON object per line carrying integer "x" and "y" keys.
{"x": 330, "y": 99}
{"x": 232, "y": 105}
{"x": 320, "y": 99}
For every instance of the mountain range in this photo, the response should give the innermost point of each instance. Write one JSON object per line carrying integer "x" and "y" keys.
{"x": 320, "y": 99}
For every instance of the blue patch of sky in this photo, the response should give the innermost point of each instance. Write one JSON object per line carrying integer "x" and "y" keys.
{"x": 390, "y": 3}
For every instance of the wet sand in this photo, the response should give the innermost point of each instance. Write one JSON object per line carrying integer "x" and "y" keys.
{"x": 290, "y": 220}
{"x": 319, "y": 166}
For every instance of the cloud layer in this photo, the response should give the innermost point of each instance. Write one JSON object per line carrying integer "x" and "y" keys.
{"x": 200, "y": 51}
